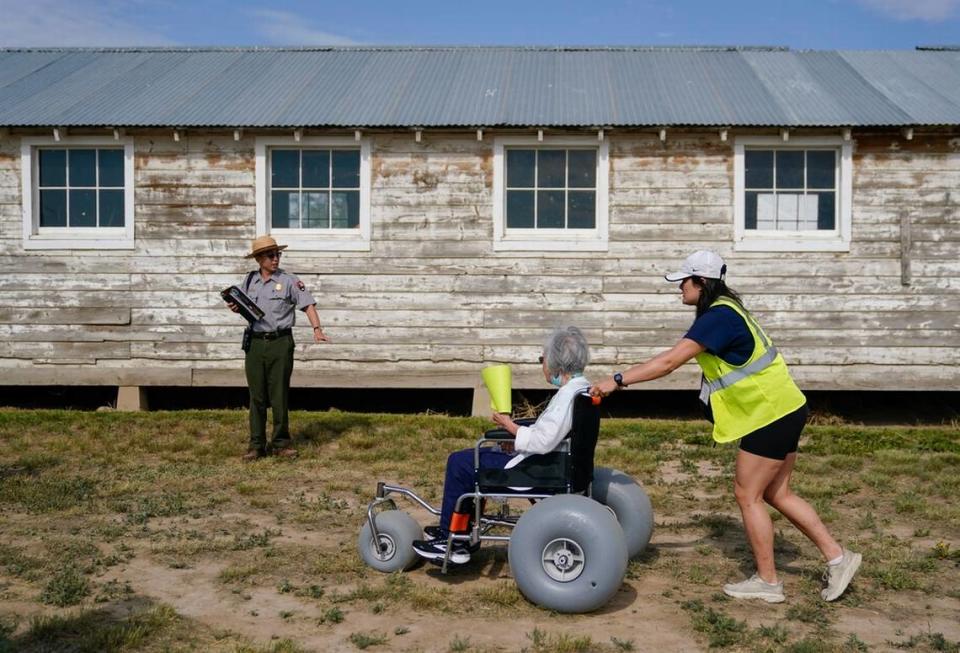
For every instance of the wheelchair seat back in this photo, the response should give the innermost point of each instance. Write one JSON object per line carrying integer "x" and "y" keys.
{"x": 569, "y": 468}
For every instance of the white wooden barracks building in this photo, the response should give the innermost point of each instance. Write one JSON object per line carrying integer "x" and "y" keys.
{"x": 448, "y": 206}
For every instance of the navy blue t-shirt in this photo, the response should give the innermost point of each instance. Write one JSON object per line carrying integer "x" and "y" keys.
{"x": 724, "y": 334}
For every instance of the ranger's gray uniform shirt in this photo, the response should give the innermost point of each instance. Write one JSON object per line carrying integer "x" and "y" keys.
{"x": 279, "y": 297}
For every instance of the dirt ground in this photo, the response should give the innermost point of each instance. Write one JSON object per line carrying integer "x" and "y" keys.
{"x": 645, "y": 611}
{"x": 263, "y": 557}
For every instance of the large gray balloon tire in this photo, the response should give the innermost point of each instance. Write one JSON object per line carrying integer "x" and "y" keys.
{"x": 397, "y": 531}
{"x": 629, "y": 503}
{"x": 567, "y": 553}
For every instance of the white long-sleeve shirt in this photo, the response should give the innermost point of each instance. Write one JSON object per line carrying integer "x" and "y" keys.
{"x": 552, "y": 426}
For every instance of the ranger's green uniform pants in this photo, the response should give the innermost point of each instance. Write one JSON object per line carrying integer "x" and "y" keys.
{"x": 269, "y": 364}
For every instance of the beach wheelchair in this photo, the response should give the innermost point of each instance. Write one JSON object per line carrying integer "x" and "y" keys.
{"x": 568, "y": 552}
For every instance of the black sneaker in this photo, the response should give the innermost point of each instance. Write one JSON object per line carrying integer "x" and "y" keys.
{"x": 437, "y": 549}
{"x": 434, "y": 533}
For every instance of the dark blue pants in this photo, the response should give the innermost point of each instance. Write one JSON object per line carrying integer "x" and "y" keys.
{"x": 460, "y": 477}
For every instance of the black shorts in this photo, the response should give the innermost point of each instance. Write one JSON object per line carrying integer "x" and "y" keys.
{"x": 777, "y": 439}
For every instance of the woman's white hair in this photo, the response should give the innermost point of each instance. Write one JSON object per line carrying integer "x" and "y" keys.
{"x": 566, "y": 351}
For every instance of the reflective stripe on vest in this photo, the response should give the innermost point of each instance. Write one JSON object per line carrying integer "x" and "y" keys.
{"x": 733, "y": 376}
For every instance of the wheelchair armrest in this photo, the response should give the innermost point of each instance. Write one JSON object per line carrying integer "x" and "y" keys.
{"x": 501, "y": 434}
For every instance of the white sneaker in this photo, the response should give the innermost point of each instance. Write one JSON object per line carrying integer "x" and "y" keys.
{"x": 437, "y": 550}
{"x": 838, "y": 576}
{"x": 755, "y": 588}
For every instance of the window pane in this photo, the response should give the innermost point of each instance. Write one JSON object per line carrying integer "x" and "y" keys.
{"x": 520, "y": 209}
{"x": 111, "y": 208}
{"x": 789, "y": 169}
{"x": 788, "y": 211}
{"x": 750, "y": 210}
{"x": 83, "y": 208}
{"x": 346, "y": 169}
{"x": 285, "y": 210}
{"x": 111, "y": 168}
{"x": 758, "y": 168}
{"x": 53, "y": 168}
{"x": 345, "y": 209}
{"x": 826, "y": 211}
{"x": 316, "y": 210}
{"x": 83, "y": 167}
{"x": 520, "y": 168}
{"x": 581, "y": 209}
{"x": 583, "y": 169}
{"x": 316, "y": 168}
{"x": 53, "y": 208}
{"x": 821, "y": 169}
{"x": 551, "y": 168}
{"x": 550, "y": 209}
{"x": 285, "y": 169}
{"x": 766, "y": 211}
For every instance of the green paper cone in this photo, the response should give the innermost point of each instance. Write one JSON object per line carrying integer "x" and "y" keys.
{"x": 498, "y": 381}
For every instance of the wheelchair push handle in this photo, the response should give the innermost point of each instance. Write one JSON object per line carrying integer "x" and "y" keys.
{"x": 594, "y": 399}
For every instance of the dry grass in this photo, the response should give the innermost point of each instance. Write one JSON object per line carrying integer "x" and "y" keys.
{"x": 105, "y": 491}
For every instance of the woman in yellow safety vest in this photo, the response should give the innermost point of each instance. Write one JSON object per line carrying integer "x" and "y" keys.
{"x": 749, "y": 396}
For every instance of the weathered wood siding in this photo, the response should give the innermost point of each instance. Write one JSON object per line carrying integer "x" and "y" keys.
{"x": 431, "y": 303}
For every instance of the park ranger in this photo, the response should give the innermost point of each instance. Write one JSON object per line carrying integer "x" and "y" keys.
{"x": 269, "y": 357}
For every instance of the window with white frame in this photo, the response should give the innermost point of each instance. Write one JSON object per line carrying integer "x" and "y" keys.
{"x": 550, "y": 195}
{"x": 314, "y": 190}
{"x": 78, "y": 193}
{"x": 792, "y": 196}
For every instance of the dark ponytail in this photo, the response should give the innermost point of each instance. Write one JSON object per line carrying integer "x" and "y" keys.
{"x": 710, "y": 291}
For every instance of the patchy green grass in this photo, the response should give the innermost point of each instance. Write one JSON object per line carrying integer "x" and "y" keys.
{"x": 95, "y": 504}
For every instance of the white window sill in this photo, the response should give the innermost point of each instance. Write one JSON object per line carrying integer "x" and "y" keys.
{"x": 549, "y": 245}
{"x": 39, "y": 242}
{"x": 302, "y": 243}
{"x": 794, "y": 244}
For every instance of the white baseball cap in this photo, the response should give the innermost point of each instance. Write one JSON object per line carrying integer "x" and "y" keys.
{"x": 703, "y": 263}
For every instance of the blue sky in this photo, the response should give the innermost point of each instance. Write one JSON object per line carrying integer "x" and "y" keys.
{"x": 798, "y": 24}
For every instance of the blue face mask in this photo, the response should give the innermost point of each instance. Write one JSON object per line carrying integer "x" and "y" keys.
{"x": 555, "y": 380}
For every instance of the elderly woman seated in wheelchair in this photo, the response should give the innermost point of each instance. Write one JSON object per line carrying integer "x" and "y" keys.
{"x": 569, "y": 551}
{"x": 565, "y": 355}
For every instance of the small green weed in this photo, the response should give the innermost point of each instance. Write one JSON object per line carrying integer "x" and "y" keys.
{"x": 366, "y": 640}
{"x": 720, "y": 629}
{"x": 254, "y": 540}
{"x": 809, "y": 612}
{"x": 542, "y": 642}
{"x": 855, "y": 645}
{"x": 928, "y": 642}
{"x": 333, "y": 615}
{"x": 459, "y": 644}
{"x": 776, "y": 633}
{"x": 67, "y": 587}
{"x": 625, "y": 645}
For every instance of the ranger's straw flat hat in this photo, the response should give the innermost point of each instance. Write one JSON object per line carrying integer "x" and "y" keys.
{"x": 263, "y": 244}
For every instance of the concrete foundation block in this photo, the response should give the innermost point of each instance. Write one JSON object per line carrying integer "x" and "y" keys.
{"x": 131, "y": 397}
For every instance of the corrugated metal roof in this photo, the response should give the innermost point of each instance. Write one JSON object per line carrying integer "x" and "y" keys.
{"x": 477, "y": 86}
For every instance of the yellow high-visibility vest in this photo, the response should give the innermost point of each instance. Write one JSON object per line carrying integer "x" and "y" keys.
{"x": 747, "y": 397}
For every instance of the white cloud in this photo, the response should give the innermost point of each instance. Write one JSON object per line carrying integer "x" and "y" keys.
{"x": 933, "y": 11}
{"x": 286, "y": 28}
{"x": 70, "y": 23}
